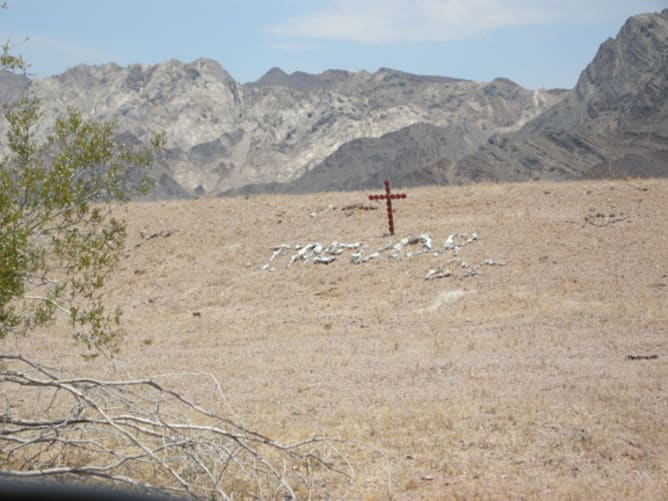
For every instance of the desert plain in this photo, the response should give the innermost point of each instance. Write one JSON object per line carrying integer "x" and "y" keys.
{"x": 533, "y": 367}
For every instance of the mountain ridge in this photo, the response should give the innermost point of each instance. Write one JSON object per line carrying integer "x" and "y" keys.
{"x": 345, "y": 130}
{"x": 222, "y": 135}
{"x": 613, "y": 123}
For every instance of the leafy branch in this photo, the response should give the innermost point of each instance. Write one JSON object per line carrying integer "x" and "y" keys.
{"x": 59, "y": 241}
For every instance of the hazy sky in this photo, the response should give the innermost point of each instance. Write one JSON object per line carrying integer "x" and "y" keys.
{"x": 537, "y": 43}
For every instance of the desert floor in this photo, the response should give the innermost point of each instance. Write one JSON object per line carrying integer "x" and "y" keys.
{"x": 537, "y": 368}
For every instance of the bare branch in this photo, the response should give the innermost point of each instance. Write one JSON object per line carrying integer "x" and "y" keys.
{"x": 143, "y": 435}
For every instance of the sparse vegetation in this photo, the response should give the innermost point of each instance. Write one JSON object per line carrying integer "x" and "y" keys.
{"x": 541, "y": 378}
{"x": 58, "y": 245}
{"x": 532, "y": 353}
{"x": 60, "y": 242}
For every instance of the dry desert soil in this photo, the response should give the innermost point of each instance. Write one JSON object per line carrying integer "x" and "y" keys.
{"x": 534, "y": 365}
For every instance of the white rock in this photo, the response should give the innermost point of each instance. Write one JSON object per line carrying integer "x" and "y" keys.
{"x": 491, "y": 262}
{"x": 334, "y": 249}
{"x": 426, "y": 242}
{"x": 432, "y": 274}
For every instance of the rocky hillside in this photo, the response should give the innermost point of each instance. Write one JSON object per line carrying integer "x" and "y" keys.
{"x": 12, "y": 86}
{"x": 340, "y": 130}
{"x": 223, "y": 135}
{"x": 366, "y": 162}
{"x": 613, "y": 123}
{"x": 410, "y": 155}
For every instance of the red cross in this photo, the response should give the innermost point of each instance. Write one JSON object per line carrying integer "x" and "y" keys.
{"x": 389, "y": 197}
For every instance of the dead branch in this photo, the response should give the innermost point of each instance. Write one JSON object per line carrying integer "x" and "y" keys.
{"x": 143, "y": 435}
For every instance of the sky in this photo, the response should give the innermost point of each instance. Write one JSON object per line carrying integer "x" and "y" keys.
{"x": 536, "y": 43}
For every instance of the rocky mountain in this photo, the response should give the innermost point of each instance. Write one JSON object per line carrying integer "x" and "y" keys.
{"x": 340, "y": 130}
{"x": 613, "y": 123}
{"x": 12, "y": 86}
{"x": 408, "y": 155}
{"x": 223, "y": 135}
{"x": 366, "y": 162}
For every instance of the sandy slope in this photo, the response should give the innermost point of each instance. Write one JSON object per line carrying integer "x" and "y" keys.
{"x": 514, "y": 382}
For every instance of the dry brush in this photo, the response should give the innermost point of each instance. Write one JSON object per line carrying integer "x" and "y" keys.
{"x": 142, "y": 435}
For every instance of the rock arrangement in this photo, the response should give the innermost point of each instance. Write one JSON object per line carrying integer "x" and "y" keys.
{"x": 406, "y": 248}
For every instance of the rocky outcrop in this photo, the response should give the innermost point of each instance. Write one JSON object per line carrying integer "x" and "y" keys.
{"x": 613, "y": 123}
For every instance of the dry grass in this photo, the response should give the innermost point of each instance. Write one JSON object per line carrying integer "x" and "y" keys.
{"x": 515, "y": 385}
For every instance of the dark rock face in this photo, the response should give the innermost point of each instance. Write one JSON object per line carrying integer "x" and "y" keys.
{"x": 614, "y": 123}
{"x": 301, "y": 81}
{"x": 409, "y": 156}
{"x": 403, "y": 156}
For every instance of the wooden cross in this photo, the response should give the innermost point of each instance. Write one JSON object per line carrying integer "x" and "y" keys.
{"x": 389, "y": 197}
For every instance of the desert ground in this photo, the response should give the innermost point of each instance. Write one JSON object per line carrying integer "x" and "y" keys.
{"x": 534, "y": 365}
